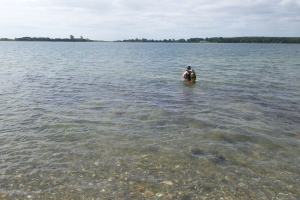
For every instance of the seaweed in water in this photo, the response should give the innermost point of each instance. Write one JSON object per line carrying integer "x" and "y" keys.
{"x": 219, "y": 158}
{"x": 151, "y": 148}
{"x": 214, "y": 156}
{"x": 197, "y": 152}
{"x": 187, "y": 197}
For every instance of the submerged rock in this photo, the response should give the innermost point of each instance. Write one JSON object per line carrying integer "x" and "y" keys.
{"x": 148, "y": 193}
{"x": 167, "y": 182}
{"x": 159, "y": 195}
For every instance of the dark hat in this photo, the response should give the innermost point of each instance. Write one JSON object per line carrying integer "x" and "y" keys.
{"x": 189, "y": 67}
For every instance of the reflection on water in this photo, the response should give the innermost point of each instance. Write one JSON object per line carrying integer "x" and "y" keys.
{"x": 120, "y": 124}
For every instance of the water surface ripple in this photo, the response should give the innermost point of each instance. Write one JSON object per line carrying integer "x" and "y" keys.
{"x": 115, "y": 121}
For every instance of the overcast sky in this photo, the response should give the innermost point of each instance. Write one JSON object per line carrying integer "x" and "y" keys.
{"x": 155, "y": 19}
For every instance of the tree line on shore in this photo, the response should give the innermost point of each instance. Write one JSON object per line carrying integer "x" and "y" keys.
{"x": 191, "y": 40}
{"x": 255, "y": 40}
{"x": 223, "y": 40}
{"x": 71, "y": 39}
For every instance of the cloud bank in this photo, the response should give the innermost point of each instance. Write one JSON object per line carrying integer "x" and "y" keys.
{"x": 156, "y": 19}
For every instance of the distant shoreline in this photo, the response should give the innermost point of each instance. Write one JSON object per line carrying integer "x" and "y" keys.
{"x": 294, "y": 40}
{"x": 267, "y": 40}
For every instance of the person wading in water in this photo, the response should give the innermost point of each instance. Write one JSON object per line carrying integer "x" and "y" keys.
{"x": 189, "y": 75}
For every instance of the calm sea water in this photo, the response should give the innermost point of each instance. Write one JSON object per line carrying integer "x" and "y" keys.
{"x": 116, "y": 121}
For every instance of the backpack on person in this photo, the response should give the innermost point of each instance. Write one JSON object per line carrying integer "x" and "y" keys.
{"x": 192, "y": 76}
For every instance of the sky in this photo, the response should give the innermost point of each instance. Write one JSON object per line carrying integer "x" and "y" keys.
{"x": 111, "y": 20}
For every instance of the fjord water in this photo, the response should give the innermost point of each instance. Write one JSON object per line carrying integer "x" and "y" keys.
{"x": 116, "y": 121}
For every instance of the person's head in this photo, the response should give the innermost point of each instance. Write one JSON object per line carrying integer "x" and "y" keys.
{"x": 189, "y": 68}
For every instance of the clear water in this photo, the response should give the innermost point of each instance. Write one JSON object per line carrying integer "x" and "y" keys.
{"x": 116, "y": 121}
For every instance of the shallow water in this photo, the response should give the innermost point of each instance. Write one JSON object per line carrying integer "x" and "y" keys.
{"x": 115, "y": 121}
